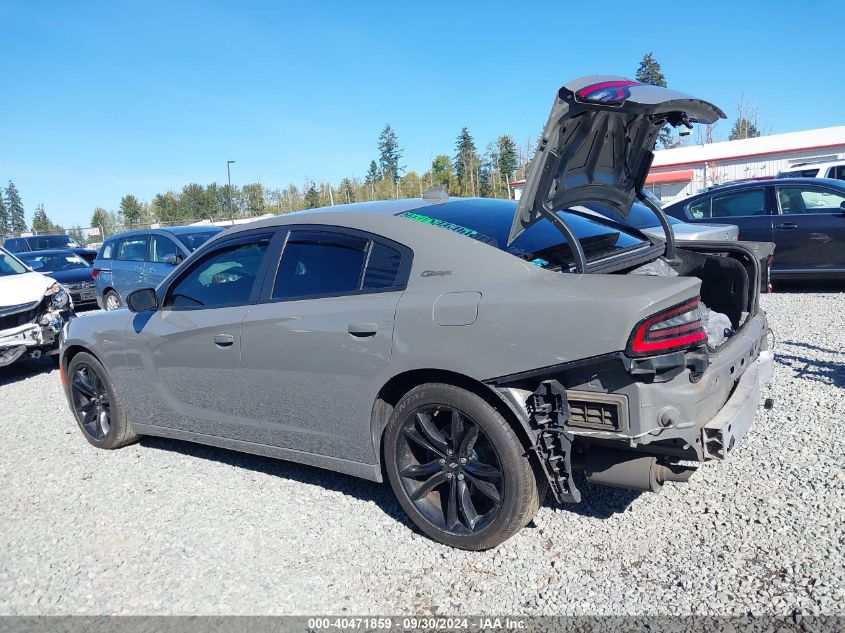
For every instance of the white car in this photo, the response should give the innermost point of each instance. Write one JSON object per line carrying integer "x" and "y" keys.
{"x": 33, "y": 311}
{"x": 823, "y": 169}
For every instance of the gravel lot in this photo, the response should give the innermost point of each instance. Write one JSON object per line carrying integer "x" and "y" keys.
{"x": 170, "y": 527}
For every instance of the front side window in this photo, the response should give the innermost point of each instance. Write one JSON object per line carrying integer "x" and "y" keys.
{"x": 10, "y": 266}
{"x": 132, "y": 249}
{"x": 46, "y": 242}
{"x": 224, "y": 277}
{"x": 739, "y": 204}
{"x": 162, "y": 247}
{"x": 802, "y": 199}
{"x": 318, "y": 264}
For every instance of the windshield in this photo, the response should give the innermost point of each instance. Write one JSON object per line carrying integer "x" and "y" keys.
{"x": 194, "y": 240}
{"x": 489, "y": 221}
{"x": 10, "y": 266}
{"x": 52, "y": 262}
{"x": 45, "y": 242}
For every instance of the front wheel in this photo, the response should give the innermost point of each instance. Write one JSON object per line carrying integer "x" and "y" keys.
{"x": 95, "y": 404}
{"x": 458, "y": 469}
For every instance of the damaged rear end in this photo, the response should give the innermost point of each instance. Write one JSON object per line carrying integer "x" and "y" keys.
{"x": 687, "y": 385}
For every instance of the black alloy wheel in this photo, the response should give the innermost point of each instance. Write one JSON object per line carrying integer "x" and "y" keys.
{"x": 450, "y": 469}
{"x": 91, "y": 402}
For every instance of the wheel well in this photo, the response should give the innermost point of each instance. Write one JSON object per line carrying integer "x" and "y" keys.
{"x": 72, "y": 351}
{"x": 391, "y": 393}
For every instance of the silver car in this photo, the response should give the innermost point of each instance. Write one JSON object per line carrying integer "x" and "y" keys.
{"x": 474, "y": 352}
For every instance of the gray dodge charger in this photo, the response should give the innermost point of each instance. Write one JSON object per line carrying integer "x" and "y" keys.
{"x": 474, "y": 352}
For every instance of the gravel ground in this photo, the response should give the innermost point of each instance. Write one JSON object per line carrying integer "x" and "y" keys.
{"x": 170, "y": 527}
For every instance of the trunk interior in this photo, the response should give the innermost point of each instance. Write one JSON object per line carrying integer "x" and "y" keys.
{"x": 729, "y": 283}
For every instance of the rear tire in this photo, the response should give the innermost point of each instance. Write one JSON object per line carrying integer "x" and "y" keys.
{"x": 96, "y": 407}
{"x": 458, "y": 469}
{"x": 111, "y": 300}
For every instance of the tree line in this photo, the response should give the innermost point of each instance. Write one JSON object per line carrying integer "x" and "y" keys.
{"x": 467, "y": 171}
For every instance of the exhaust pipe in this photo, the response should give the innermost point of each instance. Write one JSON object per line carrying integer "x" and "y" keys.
{"x": 624, "y": 469}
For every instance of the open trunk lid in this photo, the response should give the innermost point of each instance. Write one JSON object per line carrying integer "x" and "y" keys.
{"x": 597, "y": 145}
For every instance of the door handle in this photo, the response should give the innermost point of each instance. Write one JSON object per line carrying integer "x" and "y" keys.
{"x": 362, "y": 329}
{"x": 787, "y": 226}
{"x": 224, "y": 340}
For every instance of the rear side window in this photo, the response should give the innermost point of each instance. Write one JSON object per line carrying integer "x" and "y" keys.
{"x": 132, "y": 249}
{"x": 108, "y": 249}
{"x": 837, "y": 172}
{"x": 383, "y": 267}
{"x": 320, "y": 264}
{"x": 798, "y": 200}
{"x": 739, "y": 204}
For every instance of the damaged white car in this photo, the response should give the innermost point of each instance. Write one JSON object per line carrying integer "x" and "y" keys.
{"x": 33, "y": 311}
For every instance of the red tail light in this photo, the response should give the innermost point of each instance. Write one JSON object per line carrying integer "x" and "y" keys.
{"x": 95, "y": 272}
{"x": 671, "y": 330}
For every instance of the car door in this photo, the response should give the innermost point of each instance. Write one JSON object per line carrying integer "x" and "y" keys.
{"x": 317, "y": 351}
{"x": 162, "y": 257}
{"x": 748, "y": 209}
{"x": 189, "y": 351}
{"x": 127, "y": 268}
{"x": 809, "y": 229}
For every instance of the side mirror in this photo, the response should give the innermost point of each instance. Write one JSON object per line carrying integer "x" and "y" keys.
{"x": 173, "y": 260}
{"x": 142, "y": 300}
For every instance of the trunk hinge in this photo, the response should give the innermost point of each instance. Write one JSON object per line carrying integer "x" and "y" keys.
{"x": 548, "y": 411}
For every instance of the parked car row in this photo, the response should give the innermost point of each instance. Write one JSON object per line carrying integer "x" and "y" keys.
{"x": 803, "y": 217}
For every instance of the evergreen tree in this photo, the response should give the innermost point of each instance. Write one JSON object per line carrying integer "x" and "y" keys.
{"x": 346, "y": 192}
{"x": 389, "y": 155}
{"x": 4, "y": 217}
{"x": 743, "y": 128}
{"x": 649, "y": 72}
{"x": 506, "y": 155}
{"x": 466, "y": 163}
{"x": 312, "y": 195}
{"x": 17, "y": 221}
{"x": 372, "y": 174}
{"x": 40, "y": 222}
{"x": 104, "y": 221}
{"x": 77, "y": 235}
{"x": 130, "y": 210}
{"x": 254, "y": 196}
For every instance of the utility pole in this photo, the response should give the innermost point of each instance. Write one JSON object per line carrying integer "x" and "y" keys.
{"x": 229, "y": 173}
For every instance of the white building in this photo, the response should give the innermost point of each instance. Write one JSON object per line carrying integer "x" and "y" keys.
{"x": 684, "y": 171}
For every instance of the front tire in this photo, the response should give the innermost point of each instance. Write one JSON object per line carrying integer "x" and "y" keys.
{"x": 458, "y": 469}
{"x": 95, "y": 404}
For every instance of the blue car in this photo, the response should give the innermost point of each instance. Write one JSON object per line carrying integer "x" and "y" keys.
{"x": 69, "y": 269}
{"x": 804, "y": 217}
{"x": 142, "y": 259}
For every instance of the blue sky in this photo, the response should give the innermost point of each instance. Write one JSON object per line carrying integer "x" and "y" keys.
{"x": 104, "y": 99}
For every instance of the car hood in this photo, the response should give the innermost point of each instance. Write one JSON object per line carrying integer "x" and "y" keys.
{"x": 75, "y": 275}
{"x": 24, "y": 288}
{"x": 597, "y": 144}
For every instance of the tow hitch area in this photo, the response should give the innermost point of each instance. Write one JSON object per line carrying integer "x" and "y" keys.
{"x": 548, "y": 411}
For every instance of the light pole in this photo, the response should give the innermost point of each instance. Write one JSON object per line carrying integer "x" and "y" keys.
{"x": 229, "y": 173}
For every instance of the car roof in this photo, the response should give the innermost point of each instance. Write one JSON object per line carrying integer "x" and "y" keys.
{"x": 751, "y": 184}
{"x": 173, "y": 230}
